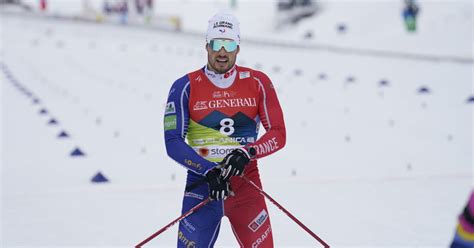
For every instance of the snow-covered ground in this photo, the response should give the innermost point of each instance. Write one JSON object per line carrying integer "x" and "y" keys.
{"x": 367, "y": 164}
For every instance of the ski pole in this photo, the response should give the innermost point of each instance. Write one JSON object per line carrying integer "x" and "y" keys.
{"x": 189, "y": 212}
{"x": 200, "y": 181}
{"x": 286, "y": 212}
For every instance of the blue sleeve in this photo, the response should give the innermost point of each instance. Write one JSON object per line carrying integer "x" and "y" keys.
{"x": 176, "y": 123}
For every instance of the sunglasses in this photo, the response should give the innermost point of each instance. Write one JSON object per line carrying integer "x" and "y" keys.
{"x": 228, "y": 45}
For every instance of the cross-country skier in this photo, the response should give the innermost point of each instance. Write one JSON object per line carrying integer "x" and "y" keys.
{"x": 410, "y": 13}
{"x": 464, "y": 236}
{"x": 218, "y": 109}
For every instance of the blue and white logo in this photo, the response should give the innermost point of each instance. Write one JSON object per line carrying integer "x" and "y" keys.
{"x": 170, "y": 108}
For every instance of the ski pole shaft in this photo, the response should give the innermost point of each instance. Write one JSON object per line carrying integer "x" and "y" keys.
{"x": 189, "y": 212}
{"x": 286, "y": 212}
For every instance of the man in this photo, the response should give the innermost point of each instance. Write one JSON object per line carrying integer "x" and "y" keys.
{"x": 410, "y": 13}
{"x": 218, "y": 109}
{"x": 464, "y": 235}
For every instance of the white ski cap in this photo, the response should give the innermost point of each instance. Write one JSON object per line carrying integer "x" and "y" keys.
{"x": 225, "y": 26}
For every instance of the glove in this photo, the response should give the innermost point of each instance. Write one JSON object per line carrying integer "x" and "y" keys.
{"x": 234, "y": 163}
{"x": 218, "y": 188}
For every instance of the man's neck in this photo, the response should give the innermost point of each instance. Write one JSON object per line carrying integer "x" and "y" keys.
{"x": 223, "y": 80}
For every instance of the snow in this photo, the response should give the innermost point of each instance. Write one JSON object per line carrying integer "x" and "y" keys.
{"x": 365, "y": 165}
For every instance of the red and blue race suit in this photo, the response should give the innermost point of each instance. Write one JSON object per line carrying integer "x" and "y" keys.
{"x": 203, "y": 123}
{"x": 464, "y": 236}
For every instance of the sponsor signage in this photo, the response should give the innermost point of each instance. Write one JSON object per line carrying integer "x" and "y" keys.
{"x": 214, "y": 151}
{"x": 223, "y": 140}
{"x": 244, "y": 74}
{"x": 170, "y": 108}
{"x": 183, "y": 239}
{"x": 262, "y": 238}
{"x": 170, "y": 122}
{"x": 192, "y": 164}
{"x": 258, "y": 221}
{"x": 223, "y": 94}
{"x": 225, "y": 103}
{"x": 200, "y": 105}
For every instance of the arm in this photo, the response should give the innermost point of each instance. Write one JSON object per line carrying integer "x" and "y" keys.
{"x": 274, "y": 139}
{"x": 271, "y": 117}
{"x": 176, "y": 122}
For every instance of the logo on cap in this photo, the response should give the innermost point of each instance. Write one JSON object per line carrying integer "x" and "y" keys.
{"x": 223, "y": 24}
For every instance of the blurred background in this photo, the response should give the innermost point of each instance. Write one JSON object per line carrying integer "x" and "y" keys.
{"x": 377, "y": 95}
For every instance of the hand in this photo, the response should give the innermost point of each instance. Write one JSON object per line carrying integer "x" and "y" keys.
{"x": 218, "y": 188}
{"x": 234, "y": 163}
